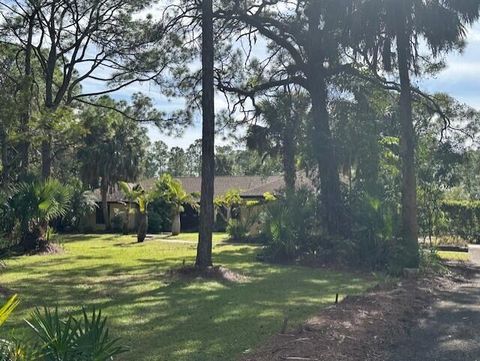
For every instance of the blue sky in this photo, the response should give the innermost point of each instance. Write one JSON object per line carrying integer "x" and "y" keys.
{"x": 461, "y": 79}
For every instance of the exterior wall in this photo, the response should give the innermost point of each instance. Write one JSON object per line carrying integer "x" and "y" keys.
{"x": 89, "y": 223}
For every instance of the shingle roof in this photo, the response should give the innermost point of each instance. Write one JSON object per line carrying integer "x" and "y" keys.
{"x": 249, "y": 186}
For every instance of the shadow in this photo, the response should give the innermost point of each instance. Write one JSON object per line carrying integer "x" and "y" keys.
{"x": 175, "y": 319}
{"x": 448, "y": 331}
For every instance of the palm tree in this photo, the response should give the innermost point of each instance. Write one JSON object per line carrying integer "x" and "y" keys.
{"x": 172, "y": 191}
{"x": 132, "y": 193}
{"x": 143, "y": 200}
{"x": 36, "y": 204}
{"x": 279, "y": 136}
{"x": 441, "y": 25}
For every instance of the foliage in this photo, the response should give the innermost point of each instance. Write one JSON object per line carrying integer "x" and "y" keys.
{"x": 175, "y": 313}
{"x": 73, "y": 339}
{"x": 462, "y": 219}
{"x": 172, "y": 191}
{"x": 290, "y": 227}
{"x": 55, "y": 339}
{"x": 118, "y": 222}
{"x": 8, "y": 308}
{"x": 237, "y": 230}
{"x": 37, "y": 203}
{"x": 82, "y": 203}
{"x": 159, "y": 212}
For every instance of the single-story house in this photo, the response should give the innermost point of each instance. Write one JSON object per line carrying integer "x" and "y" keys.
{"x": 250, "y": 187}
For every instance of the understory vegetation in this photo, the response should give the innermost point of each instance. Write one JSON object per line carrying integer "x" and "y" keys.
{"x": 356, "y": 166}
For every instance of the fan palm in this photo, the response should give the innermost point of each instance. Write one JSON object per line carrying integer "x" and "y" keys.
{"x": 172, "y": 191}
{"x": 36, "y": 204}
{"x": 406, "y": 25}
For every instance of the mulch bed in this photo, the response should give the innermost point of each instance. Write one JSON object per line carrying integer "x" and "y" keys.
{"x": 358, "y": 329}
{"x": 217, "y": 273}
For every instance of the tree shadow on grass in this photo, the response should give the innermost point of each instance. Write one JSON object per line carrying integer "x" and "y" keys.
{"x": 177, "y": 320}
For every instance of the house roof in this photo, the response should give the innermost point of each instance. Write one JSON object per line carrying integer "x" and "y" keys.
{"x": 249, "y": 186}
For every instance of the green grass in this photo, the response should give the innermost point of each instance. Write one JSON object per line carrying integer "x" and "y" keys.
{"x": 166, "y": 319}
{"x": 453, "y": 256}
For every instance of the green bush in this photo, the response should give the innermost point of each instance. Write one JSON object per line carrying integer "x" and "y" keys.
{"x": 237, "y": 230}
{"x": 155, "y": 223}
{"x": 463, "y": 219}
{"x": 85, "y": 338}
{"x": 117, "y": 222}
{"x": 290, "y": 228}
{"x": 159, "y": 216}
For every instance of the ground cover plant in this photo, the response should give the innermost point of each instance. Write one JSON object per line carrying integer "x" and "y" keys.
{"x": 164, "y": 318}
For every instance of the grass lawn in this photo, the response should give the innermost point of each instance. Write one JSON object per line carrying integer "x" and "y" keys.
{"x": 173, "y": 320}
{"x": 453, "y": 256}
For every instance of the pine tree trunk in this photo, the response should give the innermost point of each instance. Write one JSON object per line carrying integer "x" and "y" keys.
{"x": 332, "y": 202}
{"x": 104, "y": 193}
{"x": 27, "y": 108}
{"x": 407, "y": 151}
{"x": 289, "y": 150}
{"x": 4, "y": 156}
{"x": 46, "y": 153}
{"x": 204, "y": 249}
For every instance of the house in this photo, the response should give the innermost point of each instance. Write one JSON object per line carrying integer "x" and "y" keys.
{"x": 250, "y": 187}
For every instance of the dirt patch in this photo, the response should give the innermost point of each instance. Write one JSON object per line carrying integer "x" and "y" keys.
{"x": 217, "y": 273}
{"x": 359, "y": 328}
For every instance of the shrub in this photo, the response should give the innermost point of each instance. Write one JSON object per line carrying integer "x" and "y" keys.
{"x": 35, "y": 204}
{"x": 463, "y": 219}
{"x": 82, "y": 203}
{"x": 237, "y": 230}
{"x": 290, "y": 228}
{"x": 154, "y": 223}
{"x": 117, "y": 222}
{"x": 159, "y": 214}
{"x": 55, "y": 339}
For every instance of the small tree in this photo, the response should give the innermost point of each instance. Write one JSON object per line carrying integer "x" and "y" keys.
{"x": 229, "y": 200}
{"x": 143, "y": 199}
{"x": 172, "y": 191}
{"x": 132, "y": 193}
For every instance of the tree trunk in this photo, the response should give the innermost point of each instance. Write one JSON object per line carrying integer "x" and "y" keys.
{"x": 204, "y": 249}
{"x": 27, "y": 108}
{"x": 407, "y": 150}
{"x": 142, "y": 227}
{"x": 176, "y": 223}
{"x": 288, "y": 158}
{"x": 4, "y": 157}
{"x": 46, "y": 152}
{"x": 332, "y": 202}
{"x": 104, "y": 192}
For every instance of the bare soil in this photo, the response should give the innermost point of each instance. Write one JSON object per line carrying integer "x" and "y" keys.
{"x": 376, "y": 326}
{"x": 218, "y": 273}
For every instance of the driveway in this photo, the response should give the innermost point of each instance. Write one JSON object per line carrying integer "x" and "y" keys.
{"x": 450, "y": 329}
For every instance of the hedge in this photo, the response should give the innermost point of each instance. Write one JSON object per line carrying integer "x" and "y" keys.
{"x": 463, "y": 219}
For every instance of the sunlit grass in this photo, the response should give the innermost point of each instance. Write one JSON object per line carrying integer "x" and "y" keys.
{"x": 453, "y": 256}
{"x": 164, "y": 319}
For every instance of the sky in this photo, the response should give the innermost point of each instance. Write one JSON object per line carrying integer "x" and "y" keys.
{"x": 460, "y": 79}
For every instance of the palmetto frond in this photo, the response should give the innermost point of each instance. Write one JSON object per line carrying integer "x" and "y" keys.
{"x": 8, "y": 308}
{"x": 42, "y": 200}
